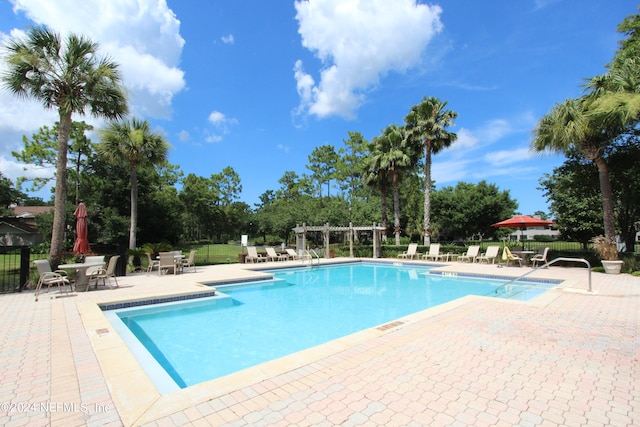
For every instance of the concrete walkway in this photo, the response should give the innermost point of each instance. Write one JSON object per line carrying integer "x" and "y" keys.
{"x": 568, "y": 358}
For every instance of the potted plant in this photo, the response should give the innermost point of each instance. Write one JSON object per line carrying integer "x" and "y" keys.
{"x": 608, "y": 252}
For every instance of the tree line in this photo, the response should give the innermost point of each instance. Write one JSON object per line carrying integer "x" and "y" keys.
{"x": 125, "y": 175}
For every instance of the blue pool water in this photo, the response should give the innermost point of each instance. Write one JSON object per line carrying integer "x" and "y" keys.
{"x": 252, "y": 323}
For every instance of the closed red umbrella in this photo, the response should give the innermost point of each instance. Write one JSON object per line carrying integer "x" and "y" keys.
{"x": 81, "y": 245}
{"x": 522, "y": 222}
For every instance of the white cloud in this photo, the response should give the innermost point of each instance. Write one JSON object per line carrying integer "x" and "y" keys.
{"x": 221, "y": 123}
{"x": 216, "y": 117}
{"x": 183, "y": 136}
{"x": 358, "y": 43}
{"x": 283, "y": 147}
{"x": 227, "y": 39}
{"x": 506, "y": 157}
{"x": 143, "y": 36}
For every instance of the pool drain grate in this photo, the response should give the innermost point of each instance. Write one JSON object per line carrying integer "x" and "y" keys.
{"x": 389, "y": 325}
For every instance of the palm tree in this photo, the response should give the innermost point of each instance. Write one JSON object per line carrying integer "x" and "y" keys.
{"x": 71, "y": 78}
{"x": 572, "y": 124}
{"x": 377, "y": 177}
{"x": 392, "y": 155}
{"x": 133, "y": 144}
{"x": 426, "y": 125}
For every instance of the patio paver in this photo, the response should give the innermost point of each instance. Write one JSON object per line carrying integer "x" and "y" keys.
{"x": 568, "y": 358}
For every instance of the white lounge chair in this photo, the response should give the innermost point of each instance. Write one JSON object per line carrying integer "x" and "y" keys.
{"x": 105, "y": 274}
{"x": 272, "y": 255}
{"x": 471, "y": 255}
{"x": 434, "y": 252}
{"x": 252, "y": 255}
{"x": 411, "y": 251}
{"x": 293, "y": 255}
{"x": 48, "y": 278}
{"x": 490, "y": 255}
{"x": 540, "y": 258}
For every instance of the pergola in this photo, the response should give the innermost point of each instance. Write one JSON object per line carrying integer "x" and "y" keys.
{"x": 301, "y": 236}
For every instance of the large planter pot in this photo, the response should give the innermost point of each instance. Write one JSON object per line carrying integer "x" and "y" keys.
{"x": 612, "y": 267}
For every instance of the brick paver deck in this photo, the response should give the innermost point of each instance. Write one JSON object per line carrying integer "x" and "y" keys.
{"x": 569, "y": 358}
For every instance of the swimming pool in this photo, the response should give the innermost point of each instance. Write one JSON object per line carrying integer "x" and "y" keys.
{"x": 185, "y": 343}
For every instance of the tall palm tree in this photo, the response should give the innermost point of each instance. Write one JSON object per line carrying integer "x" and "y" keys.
{"x": 71, "y": 78}
{"x": 376, "y": 176}
{"x": 134, "y": 144}
{"x": 392, "y": 154}
{"x": 426, "y": 126}
{"x": 571, "y": 124}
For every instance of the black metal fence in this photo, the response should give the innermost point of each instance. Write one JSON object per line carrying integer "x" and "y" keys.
{"x": 17, "y": 270}
{"x": 14, "y": 268}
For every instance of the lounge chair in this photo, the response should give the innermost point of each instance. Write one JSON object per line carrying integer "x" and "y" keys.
{"x": 490, "y": 255}
{"x": 48, "y": 277}
{"x": 167, "y": 261}
{"x": 190, "y": 261}
{"x": 272, "y": 255}
{"x": 471, "y": 255}
{"x": 411, "y": 251}
{"x": 152, "y": 263}
{"x": 293, "y": 255}
{"x": 252, "y": 255}
{"x": 540, "y": 258}
{"x": 509, "y": 257}
{"x": 434, "y": 252}
{"x": 105, "y": 274}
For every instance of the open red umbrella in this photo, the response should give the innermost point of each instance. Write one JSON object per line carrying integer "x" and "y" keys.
{"x": 81, "y": 245}
{"x": 522, "y": 222}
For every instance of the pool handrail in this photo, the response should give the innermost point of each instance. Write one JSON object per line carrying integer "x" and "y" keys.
{"x": 310, "y": 256}
{"x": 553, "y": 261}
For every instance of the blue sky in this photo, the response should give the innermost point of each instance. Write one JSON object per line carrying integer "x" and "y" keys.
{"x": 257, "y": 85}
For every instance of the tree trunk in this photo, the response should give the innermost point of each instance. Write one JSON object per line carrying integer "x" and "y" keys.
{"x": 134, "y": 208}
{"x": 607, "y": 198}
{"x": 396, "y": 206}
{"x": 427, "y": 193}
{"x": 60, "y": 202}
{"x": 383, "y": 199}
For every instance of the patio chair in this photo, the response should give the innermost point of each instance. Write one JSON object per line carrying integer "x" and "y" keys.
{"x": 152, "y": 263}
{"x": 105, "y": 274}
{"x": 293, "y": 255}
{"x": 540, "y": 258}
{"x": 167, "y": 261}
{"x": 509, "y": 257}
{"x": 272, "y": 255}
{"x": 252, "y": 255}
{"x": 490, "y": 255}
{"x": 471, "y": 255}
{"x": 410, "y": 252}
{"x": 434, "y": 252}
{"x": 96, "y": 259}
{"x": 48, "y": 278}
{"x": 190, "y": 261}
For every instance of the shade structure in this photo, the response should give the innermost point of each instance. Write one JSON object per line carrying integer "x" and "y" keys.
{"x": 522, "y": 222}
{"x": 81, "y": 245}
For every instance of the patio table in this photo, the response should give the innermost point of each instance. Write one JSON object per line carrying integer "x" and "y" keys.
{"x": 524, "y": 255}
{"x": 82, "y": 280}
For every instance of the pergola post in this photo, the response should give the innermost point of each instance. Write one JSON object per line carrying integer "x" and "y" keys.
{"x": 351, "y": 239}
{"x": 325, "y": 236}
{"x": 375, "y": 241}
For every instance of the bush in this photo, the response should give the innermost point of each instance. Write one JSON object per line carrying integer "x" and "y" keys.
{"x": 543, "y": 238}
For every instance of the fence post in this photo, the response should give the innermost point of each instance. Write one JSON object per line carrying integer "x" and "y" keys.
{"x": 25, "y": 258}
